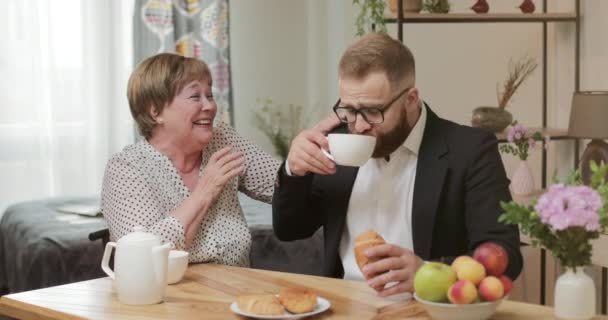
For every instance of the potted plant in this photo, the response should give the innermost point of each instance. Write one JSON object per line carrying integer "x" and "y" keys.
{"x": 436, "y": 6}
{"x": 279, "y": 123}
{"x": 409, "y": 6}
{"x": 496, "y": 119}
{"x": 371, "y": 12}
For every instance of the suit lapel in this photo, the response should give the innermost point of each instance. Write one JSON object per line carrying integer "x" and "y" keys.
{"x": 430, "y": 174}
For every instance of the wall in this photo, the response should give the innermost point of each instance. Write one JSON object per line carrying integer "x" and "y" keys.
{"x": 287, "y": 50}
{"x": 268, "y": 54}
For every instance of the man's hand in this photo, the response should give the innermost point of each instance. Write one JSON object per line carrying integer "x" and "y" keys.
{"x": 396, "y": 264}
{"x": 305, "y": 153}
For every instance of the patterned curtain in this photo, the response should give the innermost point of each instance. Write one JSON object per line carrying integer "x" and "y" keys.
{"x": 193, "y": 28}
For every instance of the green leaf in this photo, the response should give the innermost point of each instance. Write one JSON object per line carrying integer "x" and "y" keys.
{"x": 371, "y": 12}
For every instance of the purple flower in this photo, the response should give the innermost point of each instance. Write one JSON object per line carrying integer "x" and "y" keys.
{"x": 570, "y": 206}
{"x": 516, "y": 132}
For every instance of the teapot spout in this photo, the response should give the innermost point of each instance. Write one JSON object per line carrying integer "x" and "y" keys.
{"x": 160, "y": 256}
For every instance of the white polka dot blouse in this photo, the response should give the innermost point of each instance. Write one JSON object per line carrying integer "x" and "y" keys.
{"x": 142, "y": 187}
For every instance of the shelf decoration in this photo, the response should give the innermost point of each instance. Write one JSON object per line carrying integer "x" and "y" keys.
{"x": 496, "y": 119}
{"x": 481, "y": 6}
{"x": 409, "y": 6}
{"x": 521, "y": 144}
{"x": 527, "y": 6}
{"x": 436, "y": 6}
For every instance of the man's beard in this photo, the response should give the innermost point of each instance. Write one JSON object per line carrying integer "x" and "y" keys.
{"x": 388, "y": 142}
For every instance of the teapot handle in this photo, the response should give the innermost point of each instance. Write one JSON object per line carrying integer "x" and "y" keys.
{"x": 106, "y": 259}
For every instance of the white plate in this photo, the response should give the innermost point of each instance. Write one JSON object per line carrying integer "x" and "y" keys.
{"x": 322, "y": 305}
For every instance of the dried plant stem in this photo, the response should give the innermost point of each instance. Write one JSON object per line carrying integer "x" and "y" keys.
{"x": 518, "y": 72}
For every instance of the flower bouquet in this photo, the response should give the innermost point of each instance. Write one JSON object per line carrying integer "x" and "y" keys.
{"x": 521, "y": 143}
{"x": 564, "y": 220}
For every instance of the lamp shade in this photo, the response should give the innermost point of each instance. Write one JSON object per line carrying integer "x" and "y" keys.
{"x": 589, "y": 115}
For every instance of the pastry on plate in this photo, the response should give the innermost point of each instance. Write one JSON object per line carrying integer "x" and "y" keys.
{"x": 260, "y": 304}
{"x": 298, "y": 300}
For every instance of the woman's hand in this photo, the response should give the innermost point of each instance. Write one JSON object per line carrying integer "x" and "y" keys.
{"x": 222, "y": 166}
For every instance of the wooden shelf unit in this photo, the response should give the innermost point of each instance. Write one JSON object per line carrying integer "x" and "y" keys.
{"x": 481, "y": 18}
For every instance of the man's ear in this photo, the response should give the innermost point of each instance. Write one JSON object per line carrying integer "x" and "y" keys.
{"x": 412, "y": 99}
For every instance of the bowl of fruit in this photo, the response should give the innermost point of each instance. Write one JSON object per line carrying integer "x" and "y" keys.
{"x": 470, "y": 288}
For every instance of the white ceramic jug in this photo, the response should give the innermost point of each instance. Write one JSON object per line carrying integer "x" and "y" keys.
{"x": 140, "y": 267}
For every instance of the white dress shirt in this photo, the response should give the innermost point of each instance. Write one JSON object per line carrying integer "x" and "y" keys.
{"x": 382, "y": 198}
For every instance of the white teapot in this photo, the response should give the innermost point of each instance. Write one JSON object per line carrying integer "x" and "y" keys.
{"x": 140, "y": 267}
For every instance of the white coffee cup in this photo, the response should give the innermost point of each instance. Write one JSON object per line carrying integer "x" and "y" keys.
{"x": 350, "y": 149}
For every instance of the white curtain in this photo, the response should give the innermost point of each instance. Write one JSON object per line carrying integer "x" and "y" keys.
{"x": 63, "y": 106}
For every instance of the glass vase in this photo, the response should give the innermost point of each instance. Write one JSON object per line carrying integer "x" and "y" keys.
{"x": 574, "y": 295}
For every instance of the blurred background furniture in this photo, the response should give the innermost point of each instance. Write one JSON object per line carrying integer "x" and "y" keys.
{"x": 589, "y": 119}
{"x": 41, "y": 246}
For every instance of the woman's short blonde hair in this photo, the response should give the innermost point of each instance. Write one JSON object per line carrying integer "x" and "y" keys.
{"x": 155, "y": 83}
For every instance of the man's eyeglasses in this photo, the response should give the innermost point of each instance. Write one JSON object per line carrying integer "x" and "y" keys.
{"x": 348, "y": 114}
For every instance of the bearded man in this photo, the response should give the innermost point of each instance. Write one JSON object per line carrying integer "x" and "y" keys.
{"x": 432, "y": 188}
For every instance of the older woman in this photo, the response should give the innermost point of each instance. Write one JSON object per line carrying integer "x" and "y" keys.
{"x": 182, "y": 180}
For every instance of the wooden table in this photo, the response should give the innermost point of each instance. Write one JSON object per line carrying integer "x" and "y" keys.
{"x": 207, "y": 291}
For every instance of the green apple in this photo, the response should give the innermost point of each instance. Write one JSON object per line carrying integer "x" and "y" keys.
{"x": 433, "y": 280}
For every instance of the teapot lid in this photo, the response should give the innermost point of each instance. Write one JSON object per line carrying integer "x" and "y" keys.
{"x": 139, "y": 234}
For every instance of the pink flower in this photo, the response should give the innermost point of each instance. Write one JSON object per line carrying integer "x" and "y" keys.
{"x": 516, "y": 132}
{"x": 570, "y": 206}
{"x": 532, "y": 143}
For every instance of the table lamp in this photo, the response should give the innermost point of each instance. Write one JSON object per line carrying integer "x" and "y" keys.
{"x": 589, "y": 119}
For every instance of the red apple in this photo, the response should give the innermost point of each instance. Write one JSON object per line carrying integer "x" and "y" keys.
{"x": 507, "y": 284}
{"x": 462, "y": 292}
{"x": 491, "y": 289}
{"x": 493, "y": 257}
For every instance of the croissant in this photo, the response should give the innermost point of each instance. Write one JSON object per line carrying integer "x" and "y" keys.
{"x": 363, "y": 242}
{"x": 298, "y": 300}
{"x": 266, "y": 304}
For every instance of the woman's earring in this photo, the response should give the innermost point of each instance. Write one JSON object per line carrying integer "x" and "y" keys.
{"x": 159, "y": 120}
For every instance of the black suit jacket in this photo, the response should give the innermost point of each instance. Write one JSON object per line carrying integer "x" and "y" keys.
{"x": 460, "y": 181}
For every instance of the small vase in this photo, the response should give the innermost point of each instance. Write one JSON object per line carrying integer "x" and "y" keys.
{"x": 491, "y": 118}
{"x": 527, "y": 6}
{"x": 574, "y": 296}
{"x": 522, "y": 182}
{"x": 481, "y": 6}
